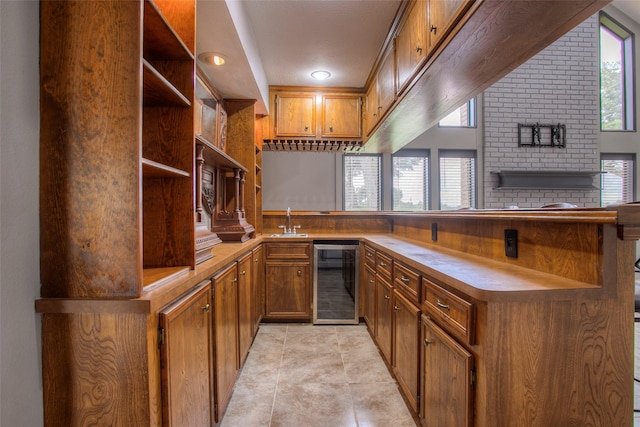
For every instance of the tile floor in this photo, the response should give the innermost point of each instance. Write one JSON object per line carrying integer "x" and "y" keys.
{"x": 315, "y": 376}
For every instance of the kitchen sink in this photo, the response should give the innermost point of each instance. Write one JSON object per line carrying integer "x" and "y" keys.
{"x": 290, "y": 235}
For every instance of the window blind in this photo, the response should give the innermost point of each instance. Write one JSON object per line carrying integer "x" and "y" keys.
{"x": 457, "y": 179}
{"x": 411, "y": 180}
{"x": 617, "y": 184}
{"x": 362, "y": 182}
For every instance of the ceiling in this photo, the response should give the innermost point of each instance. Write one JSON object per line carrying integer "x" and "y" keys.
{"x": 279, "y": 42}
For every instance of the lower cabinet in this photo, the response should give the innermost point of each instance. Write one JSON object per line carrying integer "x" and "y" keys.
{"x": 369, "y": 302}
{"x": 185, "y": 359}
{"x": 245, "y": 307}
{"x": 406, "y": 347}
{"x": 384, "y": 317}
{"x": 446, "y": 374}
{"x": 225, "y": 331}
{"x": 288, "y": 281}
{"x": 257, "y": 284}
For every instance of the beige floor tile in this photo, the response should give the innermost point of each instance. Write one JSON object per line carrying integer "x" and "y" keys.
{"x": 366, "y": 367}
{"x": 250, "y": 405}
{"x": 313, "y": 405}
{"x": 261, "y": 368}
{"x": 300, "y": 368}
{"x": 380, "y": 404}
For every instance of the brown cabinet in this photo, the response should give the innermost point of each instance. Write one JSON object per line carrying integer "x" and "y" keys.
{"x": 411, "y": 43}
{"x": 185, "y": 356}
{"x": 288, "y": 281}
{"x": 342, "y": 116}
{"x": 319, "y": 115}
{"x": 384, "y": 317}
{"x": 382, "y": 91}
{"x": 406, "y": 347}
{"x": 245, "y": 307}
{"x": 225, "y": 331}
{"x": 442, "y": 16}
{"x": 257, "y": 284}
{"x": 295, "y": 114}
{"x": 447, "y": 377}
{"x": 369, "y": 302}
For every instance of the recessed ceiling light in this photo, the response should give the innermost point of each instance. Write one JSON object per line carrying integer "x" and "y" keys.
{"x": 321, "y": 75}
{"x": 212, "y": 58}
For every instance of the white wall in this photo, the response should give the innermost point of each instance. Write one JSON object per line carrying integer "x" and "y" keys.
{"x": 20, "y": 366}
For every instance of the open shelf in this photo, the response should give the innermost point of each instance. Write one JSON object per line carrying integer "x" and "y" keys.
{"x": 158, "y": 91}
{"x": 581, "y": 180}
{"x": 160, "y": 40}
{"x": 151, "y": 169}
{"x": 216, "y": 157}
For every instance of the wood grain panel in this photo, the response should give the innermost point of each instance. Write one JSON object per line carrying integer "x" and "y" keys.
{"x": 180, "y": 15}
{"x": 329, "y": 223}
{"x": 406, "y": 347}
{"x": 83, "y": 197}
{"x": 94, "y": 369}
{"x": 288, "y": 290}
{"x": 245, "y": 307}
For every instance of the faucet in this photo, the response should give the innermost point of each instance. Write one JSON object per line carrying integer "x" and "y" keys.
{"x": 287, "y": 228}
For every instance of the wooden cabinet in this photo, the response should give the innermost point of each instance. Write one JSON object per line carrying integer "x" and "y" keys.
{"x": 341, "y": 116}
{"x": 257, "y": 284}
{"x": 442, "y": 16}
{"x": 319, "y": 114}
{"x": 225, "y": 331}
{"x": 125, "y": 152}
{"x": 369, "y": 302}
{"x": 295, "y": 114}
{"x": 185, "y": 355}
{"x": 447, "y": 376}
{"x": 288, "y": 281}
{"x": 406, "y": 347}
{"x": 411, "y": 43}
{"x": 245, "y": 307}
{"x": 382, "y": 91}
{"x": 384, "y": 316}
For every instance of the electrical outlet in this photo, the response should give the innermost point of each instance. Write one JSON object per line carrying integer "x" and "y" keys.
{"x": 434, "y": 231}
{"x": 511, "y": 243}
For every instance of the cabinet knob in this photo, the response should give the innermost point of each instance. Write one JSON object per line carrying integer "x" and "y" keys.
{"x": 433, "y": 28}
{"x": 243, "y": 272}
{"x": 442, "y": 306}
{"x": 404, "y": 279}
{"x": 299, "y": 273}
{"x": 418, "y": 50}
{"x": 370, "y": 280}
{"x": 207, "y": 308}
{"x": 306, "y": 128}
{"x": 383, "y": 264}
{"x": 234, "y": 280}
{"x": 330, "y": 128}
{"x": 255, "y": 260}
{"x": 427, "y": 342}
{"x": 387, "y": 297}
{"x": 396, "y": 308}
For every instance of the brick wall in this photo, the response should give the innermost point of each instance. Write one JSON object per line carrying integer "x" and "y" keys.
{"x": 559, "y": 85}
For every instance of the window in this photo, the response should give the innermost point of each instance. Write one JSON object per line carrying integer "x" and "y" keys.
{"x": 362, "y": 177}
{"x": 411, "y": 180}
{"x": 457, "y": 179}
{"x": 616, "y": 76}
{"x": 617, "y": 184}
{"x": 464, "y": 116}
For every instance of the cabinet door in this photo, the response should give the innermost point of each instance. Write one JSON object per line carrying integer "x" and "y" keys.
{"x": 442, "y": 14}
{"x": 341, "y": 116}
{"x": 384, "y": 317}
{"x": 369, "y": 285}
{"x": 446, "y": 379}
{"x": 386, "y": 83}
{"x": 288, "y": 290}
{"x": 411, "y": 43}
{"x": 185, "y": 357}
{"x": 225, "y": 327}
{"x": 245, "y": 307}
{"x": 406, "y": 347}
{"x": 257, "y": 279}
{"x": 371, "y": 114}
{"x": 295, "y": 115}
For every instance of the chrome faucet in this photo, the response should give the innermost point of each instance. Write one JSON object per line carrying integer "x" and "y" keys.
{"x": 287, "y": 228}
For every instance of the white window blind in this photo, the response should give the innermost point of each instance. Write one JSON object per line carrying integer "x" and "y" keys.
{"x": 411, "y": 180}
{"x": 457, "y": 179}
{"x": 362, "y": 178}
{"x": 617, "y": 184}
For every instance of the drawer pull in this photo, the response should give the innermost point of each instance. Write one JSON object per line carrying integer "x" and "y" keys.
{"x": 383, "y": 264}
{"x": 427, "y": 342}
{"x": 299, "y": 273}
{"x": 369, "y": 254}
{"x": 404, "y": 279}
{"x": 442, "y": 306}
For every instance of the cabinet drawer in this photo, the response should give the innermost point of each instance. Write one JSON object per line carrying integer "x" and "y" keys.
{"x": 457, "y": 314}
{"x": 288, "y": 251}
{"x": 370, "y": 256}
{"x": 384, "y": 264}
{"x": 407, "y": 281}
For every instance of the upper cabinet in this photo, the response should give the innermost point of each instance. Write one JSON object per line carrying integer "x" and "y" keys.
{"x": 321, "y": 114}
{"x": 442, "y": 14}
{"x": 382, "y": 91}
{"x": 411, "y": 42}
{"x": 341, "y": 116}
{"x": 295, "y": 114}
